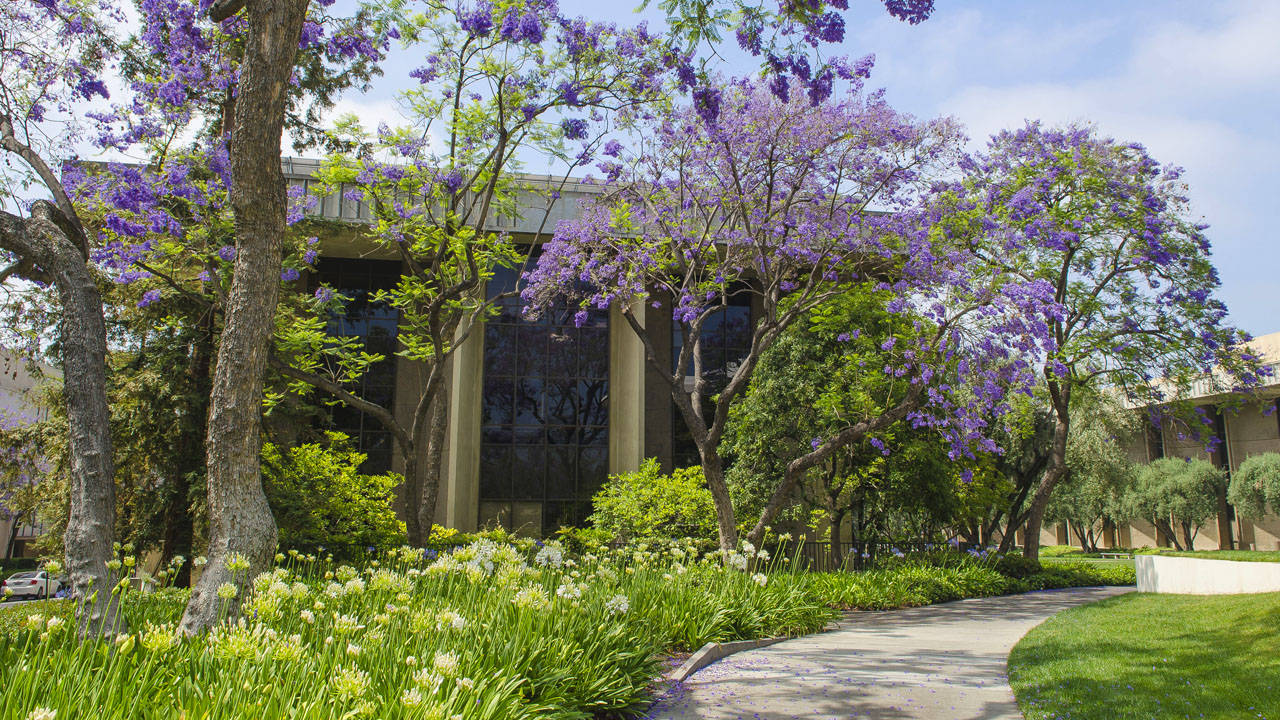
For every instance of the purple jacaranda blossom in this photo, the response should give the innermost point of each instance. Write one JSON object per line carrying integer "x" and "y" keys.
{"x": 840, "y": 155}
{"x": 148, "y": 298}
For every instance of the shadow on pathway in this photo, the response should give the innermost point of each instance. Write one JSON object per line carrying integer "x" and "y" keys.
{"x": 942, "y": 662}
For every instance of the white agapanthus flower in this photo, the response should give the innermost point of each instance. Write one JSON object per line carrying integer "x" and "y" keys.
{"x": 549, "y": 556}
{"x": 445, "y": 663}
{"x": 42, "y": 714}
{"x": 760, "y": 579}
{"x": 618, "y": 604}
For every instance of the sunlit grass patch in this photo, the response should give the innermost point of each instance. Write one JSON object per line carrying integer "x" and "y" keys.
{"x": 1153, "y": 656}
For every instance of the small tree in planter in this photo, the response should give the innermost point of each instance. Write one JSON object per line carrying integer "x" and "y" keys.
{"x": 1255, "y": 485}
{"x": 1176, "y": 494}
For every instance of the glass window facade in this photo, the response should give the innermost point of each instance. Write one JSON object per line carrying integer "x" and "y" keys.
{"x": 726, "y": 340}
{"x": 375, "y": 322}
{"x": 545, "y": 415}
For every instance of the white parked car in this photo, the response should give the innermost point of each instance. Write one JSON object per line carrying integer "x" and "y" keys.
{"x": 30, "y": 584}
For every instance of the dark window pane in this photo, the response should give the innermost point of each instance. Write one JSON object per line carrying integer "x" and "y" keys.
{"x": 495, "y": 473}
{"x": 499, "y": 350}
{"x": 562, "y": 435}
{"x": 529, "y": 402}
{"x": 495, "y": 514}
{"x": 498, "y": 403}
{"x": 594, "y": 356}
{"x": 528, "y": 472}
{"x": 532, "y": 356}
{"x": 562, "y": 472}
{"x": 562, "y": 402}
{"x": 500, "y": 434}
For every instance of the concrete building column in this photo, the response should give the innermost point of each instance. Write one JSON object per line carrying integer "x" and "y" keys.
{"x": 626, "y": 391}
{"x": 462, "y": 460}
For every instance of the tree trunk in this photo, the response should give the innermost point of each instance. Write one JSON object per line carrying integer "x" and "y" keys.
{"x": 430, "y": 485}
{"x": 1226, "y": 540}
{"x": 412, "y": 497}
{"x": 240, "y": 521}
{"x": 13, "y": 534}
{"x": 713, "y": 469}
{"x": 91, "y": 524}
{"x": 1056, "y": 471}
{"x": 833, "y": 532}
{"x": 1189, "y": 535}
{"x": 47, "y": 240}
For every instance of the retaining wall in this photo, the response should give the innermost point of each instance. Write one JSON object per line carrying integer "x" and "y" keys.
{"x": 1194, "y": 576}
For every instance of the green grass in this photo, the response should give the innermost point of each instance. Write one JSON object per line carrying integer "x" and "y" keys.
{"x": 519, "y": 636}
{"x": 1153, "y": 656}
{"x": 1241, "y": 555}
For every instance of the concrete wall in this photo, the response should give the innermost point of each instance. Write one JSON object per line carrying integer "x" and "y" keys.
{"x": 19, "y": 403}
{"x": 1196, "y": 576}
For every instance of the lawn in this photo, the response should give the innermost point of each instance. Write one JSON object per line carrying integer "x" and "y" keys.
{"x": 1153, "y": 656}
{"x": 1241, "y": 555}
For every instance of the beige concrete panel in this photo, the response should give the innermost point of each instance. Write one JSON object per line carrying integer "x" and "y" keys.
{"x": 626, "y": 391}
{"x": 1252, "y": 433}
{"x": 462, "y": 465}
{"x": 6, "y": 527}
{"x": 1142, "y": 534}
{"x": 1266, "y": 533}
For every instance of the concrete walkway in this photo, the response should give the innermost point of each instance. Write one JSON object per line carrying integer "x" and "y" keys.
{"x": 942, "y": 662}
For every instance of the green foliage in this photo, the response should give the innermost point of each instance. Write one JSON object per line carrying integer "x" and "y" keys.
{"x": 843, "y": 378}
{"x": 493, "y": 631}
{"x": 582, "y": 540}
{"x": 1184, "y": 490}
{"x": 1152, "y": 656}
{"x": 1015, "y": 566}
{"x": 321, "y": 500}
{"x": 1255, "y": 485}
{"x": 936, "y": 577}
{"x": 1101, "y": 473}
{"x": 649, "y": 505}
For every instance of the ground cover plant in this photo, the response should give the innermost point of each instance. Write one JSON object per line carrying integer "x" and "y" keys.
{"x": 491, "y": 630}
{"x": 1144, "y": 656}
{"x": 492, "y": 627}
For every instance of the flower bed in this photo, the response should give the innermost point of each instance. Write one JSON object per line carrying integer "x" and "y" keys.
{"x": 492, "y": 630}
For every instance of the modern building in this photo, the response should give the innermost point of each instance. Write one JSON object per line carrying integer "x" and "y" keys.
{"x": 19, "y": 404}
{"x": 539, "y": 412}
{"x": 1251, "y": 429}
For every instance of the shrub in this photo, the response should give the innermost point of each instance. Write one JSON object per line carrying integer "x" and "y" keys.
{"x": 1256, "y": 485}
{"x": 320, "y": 499}
{"x": 584, "y": 540}
{"x": 649, "y": 505}
{"x": 1014, "y": 565}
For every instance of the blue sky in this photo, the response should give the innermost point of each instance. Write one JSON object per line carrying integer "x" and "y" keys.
{"x": 1197, "y": 82}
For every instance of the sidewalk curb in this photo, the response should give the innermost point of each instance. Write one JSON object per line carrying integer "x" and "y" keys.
{"x": 711, "y": 652}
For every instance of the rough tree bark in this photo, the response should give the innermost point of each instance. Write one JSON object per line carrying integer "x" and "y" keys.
{"x": 1060, "y": 396}
{"x": 240, "y": 520}
{"x": 53, "y": 248}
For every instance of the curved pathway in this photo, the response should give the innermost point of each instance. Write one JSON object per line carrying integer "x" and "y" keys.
{"x": 941, "y": 662}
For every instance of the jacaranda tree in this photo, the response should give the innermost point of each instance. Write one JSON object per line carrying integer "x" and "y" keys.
{"x": 782, "y": 204}
{"x": 52, "y": 57}
{"x": 499, "y": 82}
{"x": 1109, "y": 229}
{"x": 228, "y": 71}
